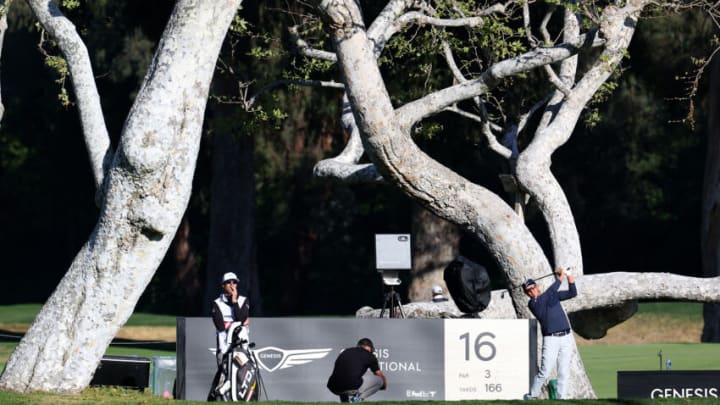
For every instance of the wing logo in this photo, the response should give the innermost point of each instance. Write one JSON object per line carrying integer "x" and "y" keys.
{"x": 273, "y": 358}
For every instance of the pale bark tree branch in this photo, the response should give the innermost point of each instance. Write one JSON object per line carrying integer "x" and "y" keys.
{"x": 609, "y": 289}
{"x": 248, "y": 102}
{"x": 97, "y": 140}
{"x": 491, "y": 138}
{"x": 414, "y": 111}
{"x": 345, "y": 166}
{"x": 306, "y": 50}
{"x": 602, "y": 290}
{"x": 544, "y": 23}
{"x": 415, "y": 17}
{"x": 390, "y": 21}
{"x": 533, "y": 166}
{"x": 555, "y": 80}
{"x": 486, "y": 125}
{"x": 4, "y": 8}
{"x": 527, "y": 25}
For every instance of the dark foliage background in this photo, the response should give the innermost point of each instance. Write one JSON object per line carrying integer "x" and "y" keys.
{"x": 634, "y": 180}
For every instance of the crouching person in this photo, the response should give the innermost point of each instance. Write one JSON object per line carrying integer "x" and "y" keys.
{"x": 348, "y": 379}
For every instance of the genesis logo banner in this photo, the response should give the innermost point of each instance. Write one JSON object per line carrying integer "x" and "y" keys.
{"x": 684, "y": 393}
{"x": 273, "y": 358}
{"x": 669, "y": 384}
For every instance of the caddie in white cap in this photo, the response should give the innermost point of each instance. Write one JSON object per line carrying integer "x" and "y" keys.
{"x": 229, "y": 307}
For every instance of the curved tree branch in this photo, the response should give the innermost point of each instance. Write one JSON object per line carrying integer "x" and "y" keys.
{"x": 604, "y": 290}
{"x": 609, "y": 289}
{"x": 92, "y": 120}
{"x": 390, "y": 21}
{"x": 420, "y": 18}
{"x": 4, "y": 8}
{"x": 306, "y": 50}
{"x": 413, "y": 112}
{"x": 533, "y": 169}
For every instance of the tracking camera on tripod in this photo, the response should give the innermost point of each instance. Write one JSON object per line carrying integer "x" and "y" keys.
{"x": 392, "y": 255}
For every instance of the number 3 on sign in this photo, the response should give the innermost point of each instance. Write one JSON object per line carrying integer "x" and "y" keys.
{"x": 483, "y": 347}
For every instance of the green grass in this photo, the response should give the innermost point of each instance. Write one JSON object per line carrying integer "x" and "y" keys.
{"x": 691, "y": 311}
{"x": 115, "y": 350}
{"x": 25, "y": 314}
{"x": 603, "y": 362}
{"x": 114, "y": 396}
{"x": 20, "y": 313}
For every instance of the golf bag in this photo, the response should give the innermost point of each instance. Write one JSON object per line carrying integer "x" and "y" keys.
{"x": 468, "y": 284}
{"x": 239, "y": 377}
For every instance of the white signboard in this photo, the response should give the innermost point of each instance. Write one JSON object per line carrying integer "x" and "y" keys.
{"x": 486, "y": 359}
{"x": 392, "y": 252}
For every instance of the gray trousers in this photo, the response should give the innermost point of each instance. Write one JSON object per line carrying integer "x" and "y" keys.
{"x": 370, "y": 385}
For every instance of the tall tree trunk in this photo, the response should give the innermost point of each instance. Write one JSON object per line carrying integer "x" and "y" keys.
{"x": 232, "y": 215}
{"x": 436, "y": 243}
{"x": 147, "y": 189}
{"x": 710, "y": 218}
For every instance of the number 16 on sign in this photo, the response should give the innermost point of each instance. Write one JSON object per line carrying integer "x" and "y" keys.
{"x": 486, "y": 359}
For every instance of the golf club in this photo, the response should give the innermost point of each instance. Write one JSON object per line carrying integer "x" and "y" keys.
{"x": 502, "y": 295}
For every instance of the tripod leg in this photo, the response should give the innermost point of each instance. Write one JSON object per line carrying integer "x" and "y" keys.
{"x": 392, "y": 305}
{"x": 399, "y": 305}
{"x": 385, "y": 300}
{"x": 394, "y": 302}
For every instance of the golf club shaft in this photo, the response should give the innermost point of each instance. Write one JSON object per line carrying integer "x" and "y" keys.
{"x": 539, "y": 278}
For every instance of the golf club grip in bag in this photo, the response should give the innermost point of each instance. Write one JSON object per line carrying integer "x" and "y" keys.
{"x": 468, "y": 284}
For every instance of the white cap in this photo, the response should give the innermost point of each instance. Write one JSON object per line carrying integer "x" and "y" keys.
{"x": 229, "y": 276}
{"x": 437, "y": 289}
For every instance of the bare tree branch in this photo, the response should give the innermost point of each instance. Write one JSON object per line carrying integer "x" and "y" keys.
{"x": 249, "y": 102}
{"x": 345, "y": 166}
{"x": 416, "y": 110}
{"x": 306, "y": 50}
{"x": 555, "y": 80}
{"x": 96, "y": 135}
{"x": 420, "y": 18}
{"x": 608, "y": 289}
{"x": 92, "y": 120}
{"x": 4, "y": 8}
{"x": 594, "y": 291}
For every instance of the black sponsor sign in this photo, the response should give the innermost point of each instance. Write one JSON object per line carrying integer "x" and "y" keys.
{"x": 668, "y": 384}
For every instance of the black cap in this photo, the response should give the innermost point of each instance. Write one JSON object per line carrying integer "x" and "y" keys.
{"x": 366, "y": 342}
{"x": 528, "y": 283}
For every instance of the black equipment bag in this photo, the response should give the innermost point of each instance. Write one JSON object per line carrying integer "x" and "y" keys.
{"x": 468, "y": 284}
